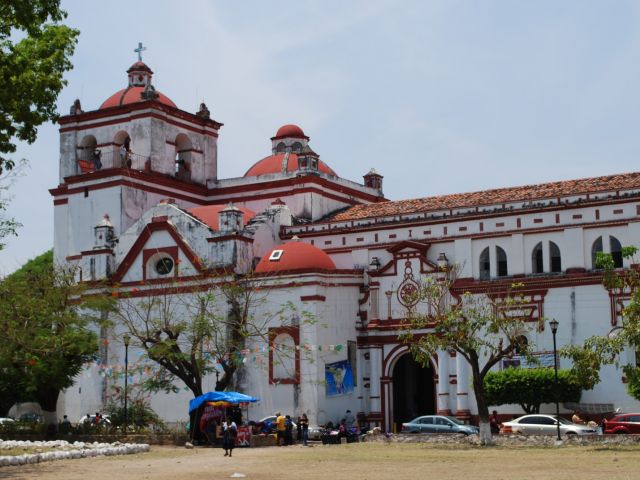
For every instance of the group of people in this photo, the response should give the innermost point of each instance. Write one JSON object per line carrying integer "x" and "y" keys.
{"x": 284, "y": 429}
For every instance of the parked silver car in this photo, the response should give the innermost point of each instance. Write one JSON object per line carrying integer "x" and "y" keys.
{"x": 438, "y": 424}
{"x": 540, "y": 424}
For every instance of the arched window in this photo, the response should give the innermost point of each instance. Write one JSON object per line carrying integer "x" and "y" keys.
{"x": 485, "y": 265}
{"x": 284, "y": 365}
{"x": 183, "y": 157}
{"x": 537, "y": 265}
{"x": 281, "y": 147}
{"x": 87, "y": 155}
{"x": 501, "y": 258}
{"x": 616, "y": 251}
{"x": 521, "y": 344}
{"x": 296, "y": 147}
{"x": 122, "y": 142}
{"x": 595, "y": 249}
{"x": 556, "y": 260}
{"x": 284, "y": 355}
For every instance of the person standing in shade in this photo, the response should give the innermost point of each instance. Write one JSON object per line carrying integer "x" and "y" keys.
{"x": 494, "y": 423}
{"x": 229, "y": 434}
{"x": 281, "y": 428}
{"x": 288, "y": 435}
{"x": 349, "y": 420}
{"x": 303, "y": 424}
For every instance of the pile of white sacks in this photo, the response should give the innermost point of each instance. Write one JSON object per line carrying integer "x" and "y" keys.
{"x": 60, "y": 450}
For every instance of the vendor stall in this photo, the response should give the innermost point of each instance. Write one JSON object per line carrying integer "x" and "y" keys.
{"x": 208, "y": 411}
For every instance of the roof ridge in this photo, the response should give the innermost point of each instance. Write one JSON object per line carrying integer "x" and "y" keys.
{"x": 476, "y": 198}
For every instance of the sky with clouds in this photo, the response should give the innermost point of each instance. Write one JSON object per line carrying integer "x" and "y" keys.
{"x": 438, "y": 96}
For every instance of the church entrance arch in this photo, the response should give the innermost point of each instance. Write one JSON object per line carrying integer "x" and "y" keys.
{"x": 413, "y": 390}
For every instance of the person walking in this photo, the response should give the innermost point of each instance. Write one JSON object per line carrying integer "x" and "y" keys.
{"x": 303, "y": 424}
{"x": 229, "y": 434}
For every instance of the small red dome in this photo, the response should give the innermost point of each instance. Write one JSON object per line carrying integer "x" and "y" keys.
{"x": 209, "y": 214}
{"x": 289, "y": 131}
{"x": 273, "y": 164}
{"x": 295, "y": 256}
{"x": 133, "y": 95}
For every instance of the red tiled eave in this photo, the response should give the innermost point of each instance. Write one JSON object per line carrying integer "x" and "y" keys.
{"x": 623, "y": 181}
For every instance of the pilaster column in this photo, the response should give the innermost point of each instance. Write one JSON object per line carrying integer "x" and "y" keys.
{"x": 375, "y": 414}
{"x": 443, "y": 383}
{"x": 462, "y": 390}
{"x": 374, "y": 302}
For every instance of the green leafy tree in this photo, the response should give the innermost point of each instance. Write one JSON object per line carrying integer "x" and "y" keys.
{"x": 47, "y": 337}
{"x": 531, "y": 387}
{"x": 480, "y": 328}
{"x": 599, "y": 350}
{"x": 35, "y": 52}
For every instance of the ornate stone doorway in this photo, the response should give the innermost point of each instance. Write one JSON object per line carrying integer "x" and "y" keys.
{"x": 414, "y": 390}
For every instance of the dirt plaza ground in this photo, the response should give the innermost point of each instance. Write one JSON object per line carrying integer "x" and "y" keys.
{"x": 362, "y": 461}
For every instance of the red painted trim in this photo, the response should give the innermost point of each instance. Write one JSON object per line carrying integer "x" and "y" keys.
{"x": 74, "y": 257}
{"x": 311, "y": 298}
{"x": 142, "y": 240}
{"x": 252, "y": 190}
{"x": 530, "y": 284}
{"x": 505, "y": 233}
{"x": 295, "y": 334}
{"x": 132, "y": 107}
{"x": 96, "y": 252}
{"x": 60, "y": 201}
{"x": 224, "y": 238}
{"x": 125, "y": 120}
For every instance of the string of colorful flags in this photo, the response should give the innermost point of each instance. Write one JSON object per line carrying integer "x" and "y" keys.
{"x": 254, "y": 355}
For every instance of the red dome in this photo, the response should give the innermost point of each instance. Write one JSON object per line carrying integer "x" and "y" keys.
{"x": 133, "y": 95}
{"x": 273, "y": 164}
{"x": 289, "y": 131}
{"x": 295, "y": 256}
{"x": 209, "y": 214}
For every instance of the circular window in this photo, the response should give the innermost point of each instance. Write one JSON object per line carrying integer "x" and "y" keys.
{"x": 164, "y": 266}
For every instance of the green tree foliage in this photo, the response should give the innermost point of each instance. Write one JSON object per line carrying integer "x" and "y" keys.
{"x": 46, "y": 331}
{"x": 480, "y": 329}
{"x": 598, "y": 350}
{"x": 531, "y": 387}
{"x": 35, "y": 52}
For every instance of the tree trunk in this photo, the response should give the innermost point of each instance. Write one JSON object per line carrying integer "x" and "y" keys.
{"x": 48, "y": 399}
{"x": 486, "y": 437}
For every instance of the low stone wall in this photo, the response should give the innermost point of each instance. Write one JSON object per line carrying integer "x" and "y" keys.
{"x": 150, "y": 439}
{"x": 506, "y": 440}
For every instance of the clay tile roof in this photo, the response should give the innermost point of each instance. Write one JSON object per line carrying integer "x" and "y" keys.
{"x": 623, "y": 181}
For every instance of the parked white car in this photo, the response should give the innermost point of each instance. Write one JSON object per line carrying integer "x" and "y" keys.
{"x": 539, "y": 424}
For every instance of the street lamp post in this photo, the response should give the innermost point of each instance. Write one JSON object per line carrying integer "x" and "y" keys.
{"x": 554, "y": 329}
{"x": 126, "y": 339}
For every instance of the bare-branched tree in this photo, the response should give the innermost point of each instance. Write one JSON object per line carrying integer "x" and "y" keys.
{"x": 482, "y": 328}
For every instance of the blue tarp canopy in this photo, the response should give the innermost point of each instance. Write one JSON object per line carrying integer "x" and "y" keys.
{"x": 231, "y": 397}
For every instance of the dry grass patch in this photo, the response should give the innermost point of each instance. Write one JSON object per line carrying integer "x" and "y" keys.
{"x": 365, "y": 461}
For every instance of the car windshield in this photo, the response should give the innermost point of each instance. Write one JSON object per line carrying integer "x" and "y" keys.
{"x": 564, "y": 421}
{"x": 455, "y": 420}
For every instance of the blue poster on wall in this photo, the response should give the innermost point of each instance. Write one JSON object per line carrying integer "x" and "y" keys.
{"x": 338, "y": 378}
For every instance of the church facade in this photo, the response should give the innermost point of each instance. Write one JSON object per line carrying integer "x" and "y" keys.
{"x": 139, "y": 205}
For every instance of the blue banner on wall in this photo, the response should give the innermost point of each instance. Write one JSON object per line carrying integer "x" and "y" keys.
{"x": 338, "y": 378}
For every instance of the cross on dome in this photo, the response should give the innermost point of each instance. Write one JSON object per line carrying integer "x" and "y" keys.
{"x": 139, "y": 51}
